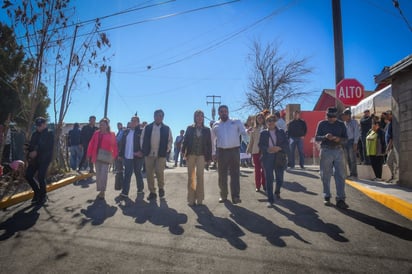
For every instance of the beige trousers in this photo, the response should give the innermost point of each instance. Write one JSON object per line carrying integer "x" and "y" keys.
{"x": 195, "y": 184}
{"x": 155, "y": 165}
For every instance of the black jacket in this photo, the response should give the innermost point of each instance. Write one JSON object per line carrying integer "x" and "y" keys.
{"x": 164, "y": 139}
{"x": 136, "y": 141}
{"x": 42, "y": 142}
{"x": 206, "y": 142}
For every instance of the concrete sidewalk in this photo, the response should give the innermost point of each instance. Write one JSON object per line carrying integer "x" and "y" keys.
{"x": 393, "y": 196}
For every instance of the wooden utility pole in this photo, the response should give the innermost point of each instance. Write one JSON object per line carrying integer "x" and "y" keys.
{"x": 338, "y": 45}
{"x": 214, "y": 102}
{"x": 107, "y": 91}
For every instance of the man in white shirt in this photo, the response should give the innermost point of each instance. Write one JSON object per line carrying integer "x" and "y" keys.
{"x": 131, "y": 154}
{"x": 226, "y": 135}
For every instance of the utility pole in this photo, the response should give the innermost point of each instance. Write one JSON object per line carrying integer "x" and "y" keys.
{"x": 214, "y": 102}
{"x": 66, "y": 85}
{"x": 107, "y": 91}
{"x": 338, "y": 43}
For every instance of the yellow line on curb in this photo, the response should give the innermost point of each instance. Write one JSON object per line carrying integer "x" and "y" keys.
{"x": 396, "y": 204}
{"x": 20, "y": 197}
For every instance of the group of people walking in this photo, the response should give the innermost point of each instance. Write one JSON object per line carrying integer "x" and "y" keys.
{"x": 272, "y": 149}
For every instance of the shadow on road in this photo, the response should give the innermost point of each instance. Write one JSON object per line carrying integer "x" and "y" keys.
{"x": 302, "y": 173}
{"x": 260, "y": 225}
{"x": 161, "y": 215}
{"x": 21, "y": 220}
{"x": 296, "y": 187}
{"x": 381, "y": 225}
{"x": 307, "y": 217}
{"x": 97, "y": 212}
{"x": 85, "y": 183}
{"x": 219, "y": 227}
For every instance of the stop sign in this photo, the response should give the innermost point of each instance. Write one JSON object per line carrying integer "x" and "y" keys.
{"x": 350, "y": 92}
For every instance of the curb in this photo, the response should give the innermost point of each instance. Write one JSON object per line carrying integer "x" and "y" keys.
{"x": 21, "y": 197}
{"x": 396, "y": 204}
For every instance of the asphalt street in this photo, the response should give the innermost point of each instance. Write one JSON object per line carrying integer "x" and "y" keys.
{"x": 77, "y": 233}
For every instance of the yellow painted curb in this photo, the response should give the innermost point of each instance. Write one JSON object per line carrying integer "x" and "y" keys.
{"x": 20, "y": 197}
{"x": 396, "y": 204}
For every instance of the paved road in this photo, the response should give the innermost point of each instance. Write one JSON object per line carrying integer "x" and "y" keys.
{"x": 77, "y": 234}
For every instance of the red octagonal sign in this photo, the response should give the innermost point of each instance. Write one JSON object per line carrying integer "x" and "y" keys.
{"x": 350, "y": 92}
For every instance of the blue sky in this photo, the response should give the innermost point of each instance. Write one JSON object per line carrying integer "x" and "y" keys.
{"x": 374, "y": 36}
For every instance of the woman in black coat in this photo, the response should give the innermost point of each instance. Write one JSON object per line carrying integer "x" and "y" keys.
{"x": 273, "y": 143}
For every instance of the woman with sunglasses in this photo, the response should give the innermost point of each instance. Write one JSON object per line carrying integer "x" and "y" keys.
{"x": 272, "y": 143}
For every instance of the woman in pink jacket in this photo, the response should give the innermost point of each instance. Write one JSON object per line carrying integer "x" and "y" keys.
{"x": 102, "y": 139}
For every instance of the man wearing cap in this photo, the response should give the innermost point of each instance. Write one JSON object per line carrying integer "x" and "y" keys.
{"x": 365, "y": 125}
{"x": 332, "y": 135}
{"x": 351, "y": 146}
{"x": 40, "y": 155}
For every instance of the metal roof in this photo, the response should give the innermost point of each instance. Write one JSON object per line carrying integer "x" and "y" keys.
{"x": 388, "y": 72}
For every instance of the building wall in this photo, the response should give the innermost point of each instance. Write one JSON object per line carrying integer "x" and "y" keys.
{"x": 402, "y": 124}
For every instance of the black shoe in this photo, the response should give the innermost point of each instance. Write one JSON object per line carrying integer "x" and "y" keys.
{"x": 41, "y": 201}
{"x": 161, "y": 192}
{"x": 327, "y": 202}
{"x": 152, "y": 196}
{"x": 277, "y": 195}
{"x": 222, "y": 200}
{"x": 236, "y": 200}
{"x": 341, "y": 204}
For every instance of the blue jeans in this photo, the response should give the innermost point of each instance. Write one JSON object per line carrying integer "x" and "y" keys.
{"x": 351, "y": 158}
{"x": 131, "y": 165}
{"x": 76, "y": 154}
{"x": 269, "y": 167}
{"x": 332, "y": 160}
{"x": 296, "y": 142}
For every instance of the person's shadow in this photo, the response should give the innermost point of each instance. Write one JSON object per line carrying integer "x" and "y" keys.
{"x": 307, "y": 217}
{"x": 296, "y": 187}
{"x": 161, "y": 215}
{"x": 21, "y": 220}
{"x": 260, "y": 225}
{"x": 381, "y": 225}
{"x": 97, "y": 212}
{"x": 302, "y": 173}
{"x": 85, "y": 183}
{"x": 219, "y": 227}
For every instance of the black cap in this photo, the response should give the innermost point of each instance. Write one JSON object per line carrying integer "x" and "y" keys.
{"x": 332, "y": 112}
{"x": 39, "y": 121}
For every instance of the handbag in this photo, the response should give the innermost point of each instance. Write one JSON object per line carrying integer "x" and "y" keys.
{"x": 103, "y": 155}
{"x": 281, "y": 160}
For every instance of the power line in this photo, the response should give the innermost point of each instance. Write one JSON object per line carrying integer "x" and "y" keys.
{"x": 85, "y": 22}
{"x": 169, "y": 15}
{"x": 229, "y": 37}
{"x": 397, "y": 5}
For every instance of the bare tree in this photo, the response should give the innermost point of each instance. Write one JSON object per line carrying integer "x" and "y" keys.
{"x": 274, "y": 79}
{"x": 45, "y": 32}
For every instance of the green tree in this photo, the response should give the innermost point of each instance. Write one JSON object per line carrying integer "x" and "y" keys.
{"x": 11, "y": 58}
